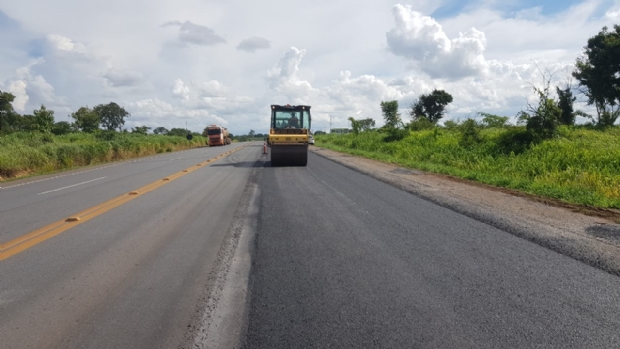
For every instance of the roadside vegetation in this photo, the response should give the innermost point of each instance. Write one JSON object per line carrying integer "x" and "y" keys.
{"x": 581, "y": 165}
{"x": 36, "y": 144}
{"x": 26, "y": 153}
{"x": 545, "y": 153}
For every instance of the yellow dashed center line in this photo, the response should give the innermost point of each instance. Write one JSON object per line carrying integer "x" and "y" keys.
{"x": 26, "y": 241}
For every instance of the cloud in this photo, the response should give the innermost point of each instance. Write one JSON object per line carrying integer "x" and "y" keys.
{"x": 155, "y": 112}
{"x": 61, "y": 43}
{"x": 29, "y": 84}
{"x": 422, "y": 40}
{"x": 118, "y": 78}
{"x": 195, "y": 34}
{"x": 180, "y": 90}
{"x": 18, "y": 89}
{"x": 283, "y": 76}
{"x": 254, "y": 43}
{"x": 613, "y": 14}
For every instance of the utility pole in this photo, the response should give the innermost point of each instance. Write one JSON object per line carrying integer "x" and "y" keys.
{"x": 330, "y": 123}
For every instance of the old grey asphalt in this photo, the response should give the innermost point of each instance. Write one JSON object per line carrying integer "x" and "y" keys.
{"x": 133, "y": 277}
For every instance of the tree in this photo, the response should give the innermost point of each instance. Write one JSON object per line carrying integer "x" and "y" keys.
{"x": 111, "y": 115}
{"x": 251, "y": 133}
{"x": 451, "y": 124}
{"x": 160, "y": 131}
{"x": 143, "y": 130}
{"x": 177, "y": 132}
{"x": 390, "y": 114}
{"x": 7, "y": 114}
{"x": 86, "y": 119}
{"x": 61, "y": 128}
{"x": 598, "y": 73}
{"x": 27, "y": 122}
{"x": 470, "y": 134}
{"x": 542, "y": 120}
{"x": 431, "y": 106}
{"x": 43, "y": 119}
{"x": 565, "y": 102}
{"x": 355, "y": 125}
{"x": 361, "y": 125}
{"x": 421, "y": 124}
{"x": 493, "y": 121}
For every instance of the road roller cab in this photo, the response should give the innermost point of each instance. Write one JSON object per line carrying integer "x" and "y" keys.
{"x": 288, "y": 135}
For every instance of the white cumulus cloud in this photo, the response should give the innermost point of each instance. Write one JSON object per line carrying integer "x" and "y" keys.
{"x": 283, "y": 77}
{"x": 422, "y": 40}
{"x": 18, "y": 89}
{"x": 62, "y": 43}
{"x": 180, "y": 90}
{"x": 613, "y": 14}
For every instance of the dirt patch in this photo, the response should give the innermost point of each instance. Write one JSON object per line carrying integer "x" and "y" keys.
{"x": 588, "y": 234}
{"x": 406, "y": 171}
{"x": 607, "y": 213}
{"x": 12, "y": 175}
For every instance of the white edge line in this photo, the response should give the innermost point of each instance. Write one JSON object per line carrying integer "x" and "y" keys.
{"x": 70, "y": 186}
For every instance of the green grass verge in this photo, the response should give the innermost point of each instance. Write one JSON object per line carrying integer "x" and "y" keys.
{"x": 581, "y": 166}
{"x": 23, "y": 154}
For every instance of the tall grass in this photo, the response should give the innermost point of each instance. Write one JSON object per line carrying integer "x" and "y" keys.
{"x": 29, "y": 153}
{"x": 581, "y": 166}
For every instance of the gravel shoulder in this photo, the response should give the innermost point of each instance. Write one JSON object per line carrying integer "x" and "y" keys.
{"x": 589, "y": 235}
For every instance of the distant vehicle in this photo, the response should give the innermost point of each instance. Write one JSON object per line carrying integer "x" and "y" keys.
{"x": 288, "y": 135}
{"x": 340, "y": 130}
{"x": 310, "y": 139}
{"x": 217, "y": 135}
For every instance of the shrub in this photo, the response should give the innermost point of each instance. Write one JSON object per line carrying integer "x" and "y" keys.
{"x": 470, "y": 133}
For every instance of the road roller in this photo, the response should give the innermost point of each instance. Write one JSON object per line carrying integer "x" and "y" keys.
{"x": 288, "y": 135}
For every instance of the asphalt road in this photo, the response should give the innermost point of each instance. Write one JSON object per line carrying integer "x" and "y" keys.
{"x": 132, "y": 277}
{"x": 338, "y": 260}
{"x": 345, "y": 261}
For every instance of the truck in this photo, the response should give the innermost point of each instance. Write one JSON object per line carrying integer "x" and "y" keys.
{"x": 217, "y": 135}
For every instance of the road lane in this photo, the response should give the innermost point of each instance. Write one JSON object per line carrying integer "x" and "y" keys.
{"x": 345, "y": 261}
{"x": 23, "y": 210}
{"x": 134, "y": 277}
{"x": 71, "y": 186}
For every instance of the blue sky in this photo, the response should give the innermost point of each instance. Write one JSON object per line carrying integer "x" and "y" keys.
{"x": 214, "y": 61}
{"x": 451, "y": 8}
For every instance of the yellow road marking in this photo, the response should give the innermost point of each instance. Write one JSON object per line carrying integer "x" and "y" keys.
{"x": 26, "y": 241}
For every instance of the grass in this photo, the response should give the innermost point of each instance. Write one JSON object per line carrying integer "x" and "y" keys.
{"x": 581, "y": 166}
{"x": 23, "y": 154}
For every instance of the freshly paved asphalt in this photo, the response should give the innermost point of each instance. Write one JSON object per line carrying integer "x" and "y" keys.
{"x": 345, "y": 261}
{"x": 340, "y": 260}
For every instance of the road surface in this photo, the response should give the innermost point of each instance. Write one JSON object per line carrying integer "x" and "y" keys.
{"x": 338, "y": 260}
{"x": 345, "y": 261}
{"x": 131, "y": 277}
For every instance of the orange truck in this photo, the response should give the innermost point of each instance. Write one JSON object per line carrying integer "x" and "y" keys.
{"x": 217, "y": 135}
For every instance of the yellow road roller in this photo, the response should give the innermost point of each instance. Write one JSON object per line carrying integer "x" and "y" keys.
{"x": 288, "y": 135}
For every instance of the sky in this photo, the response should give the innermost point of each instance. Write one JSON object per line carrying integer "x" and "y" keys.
{"x": 199, "y": 62}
